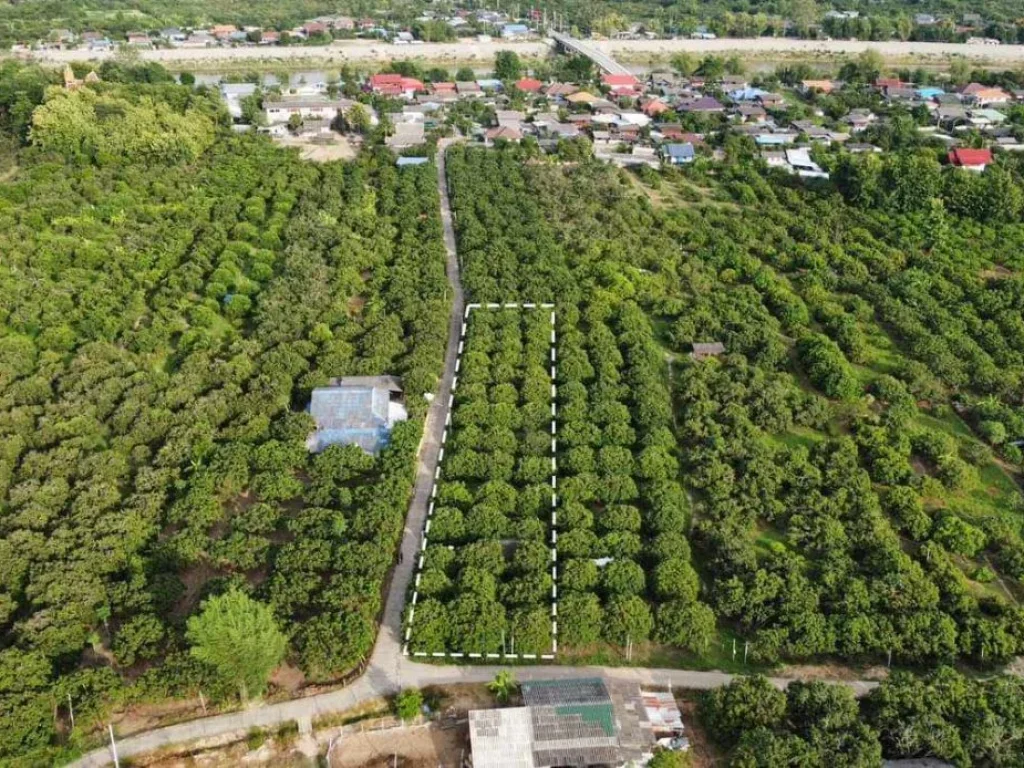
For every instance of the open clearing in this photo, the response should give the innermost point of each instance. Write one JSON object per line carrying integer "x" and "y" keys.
{"x": 415, "y": 747}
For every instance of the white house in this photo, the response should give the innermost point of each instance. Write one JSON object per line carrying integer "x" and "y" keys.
{"x": 314, "y": 107}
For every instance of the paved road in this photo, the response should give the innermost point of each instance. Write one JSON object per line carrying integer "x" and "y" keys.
{"x": 389, "y": 671}
{"x": 605, "y": 62}
{"x": 639, "y": 51}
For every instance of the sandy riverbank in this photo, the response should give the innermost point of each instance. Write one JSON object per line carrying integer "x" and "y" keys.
{"x": 637, "y": 52}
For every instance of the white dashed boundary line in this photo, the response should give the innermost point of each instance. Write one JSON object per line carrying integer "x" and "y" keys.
{"x": 554, "y": 499}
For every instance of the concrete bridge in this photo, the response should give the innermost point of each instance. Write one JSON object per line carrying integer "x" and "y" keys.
{"x": 605, "y": 62}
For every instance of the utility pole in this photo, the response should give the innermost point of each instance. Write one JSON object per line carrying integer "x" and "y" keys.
{"x": 746, "y": 647}
{"x": 734, "y": 649}
{"x": 113, "y": 746}
{"x": 202, "y": 702}
{"x": 71, "y": 711}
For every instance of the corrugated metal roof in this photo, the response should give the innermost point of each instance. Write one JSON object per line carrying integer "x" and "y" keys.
{"x": 662, "y": 711}
{"x": 583, "y": 690}
{"x": 501, "y": 738}
{"x": 353, "y": 414}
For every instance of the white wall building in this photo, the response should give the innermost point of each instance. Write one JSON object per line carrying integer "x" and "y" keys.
{"x": 320, "y": 108}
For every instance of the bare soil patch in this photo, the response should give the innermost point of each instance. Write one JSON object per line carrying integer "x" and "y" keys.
{"x": 703, "y": 753}
{"x": 419, "y": 747}
{"x": 320, "y": 149}
{"x": 832, "y": 672}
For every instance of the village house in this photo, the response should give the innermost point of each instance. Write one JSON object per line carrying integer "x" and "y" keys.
{"x": 233, "y": 93}
{"x": 199, "y": 40}
{"x": 395, "y": 85}
{"x": 502, "y": 133}
{"x": 621, "y": 85}
{"x": 678, "y": 154}
{"x": 705, "y": 105}
{"x": 817, "y": 86}
{"x": 468, "y": 88}
{"x": 971, "y": 159}
{"x": 314, "y": 28}
{"x": 406, "y": 134}
{"x": 560, "y": 90}
{"x": 356, "y": 410}
{"x": 223, "y": 31}
{"x": 306, "y": 107}
{"x": 529, "y": 85}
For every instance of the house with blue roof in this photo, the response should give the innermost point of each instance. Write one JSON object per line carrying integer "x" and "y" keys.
{"x": 356, "y": 410}
{"x": 747, "y": 94}
{"x": 678, "y": 154}
{"x": 510, "y": 31}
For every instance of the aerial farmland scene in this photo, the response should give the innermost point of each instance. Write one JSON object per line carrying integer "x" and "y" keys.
{"x": 470, "y": 384}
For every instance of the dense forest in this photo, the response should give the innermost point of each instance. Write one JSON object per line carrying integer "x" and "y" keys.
{"x": 168, "y": 299}
{"x": 849, "y": 463}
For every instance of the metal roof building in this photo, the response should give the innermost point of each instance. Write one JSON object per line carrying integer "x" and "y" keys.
{"x": 358, "y": 410}
{"x": 572, "y": 722}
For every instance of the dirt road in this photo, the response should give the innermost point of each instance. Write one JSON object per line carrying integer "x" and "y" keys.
{"x": 366, "y": 52}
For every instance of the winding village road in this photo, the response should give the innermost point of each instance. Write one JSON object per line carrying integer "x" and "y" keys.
{"x": 389, "y": 670}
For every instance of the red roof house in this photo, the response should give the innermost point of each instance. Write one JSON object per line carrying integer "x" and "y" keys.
{"x": 620, "y": 81}
{"x": 529, "y": 85}
{"x": 889, "y": 82}
{"x": 972, "y": 159}
{"x": 655, "y": 107}
{"x": 394, "y": 85}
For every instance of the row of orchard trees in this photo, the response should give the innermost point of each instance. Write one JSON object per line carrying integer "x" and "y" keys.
{"x": 626, "y": 572}
{"x": 486, "y": 585}
{"x": 945, "y": 288}
{"x": 808, "y": 533}
{"x": 625, "y": 575}
{"x": 163, "y": 324}
{"x": 840, "y": 579}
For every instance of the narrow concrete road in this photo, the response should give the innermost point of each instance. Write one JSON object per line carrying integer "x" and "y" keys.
{"x": 387, "y": 653}
{"x": 389, "y": 670}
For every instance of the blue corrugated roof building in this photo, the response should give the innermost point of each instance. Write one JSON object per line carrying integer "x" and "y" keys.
{"x": 679, "y": 154}
{"x": 358, "y": 410}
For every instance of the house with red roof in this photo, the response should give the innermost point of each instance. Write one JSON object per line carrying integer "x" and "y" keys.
{"x": 529, "y": 85}
{"x": 395, "y": 85}
{"x": 654, "y": 107}
{"x": 618, "y": 81}
{"x": 622, "y": 85}
{"x": 883, "y": 83}
{"x": 971, "y": 159}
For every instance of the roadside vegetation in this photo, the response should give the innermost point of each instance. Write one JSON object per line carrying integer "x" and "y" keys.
{"x": 943, "y": 715}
